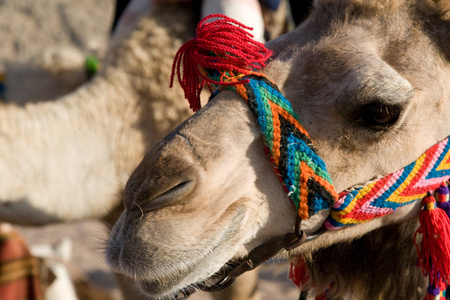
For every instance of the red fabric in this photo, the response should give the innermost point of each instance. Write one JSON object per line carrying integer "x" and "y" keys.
{"x": 298, "y": 272}
{"x": 434, "y": 250}
{"x": 19, "y": 270}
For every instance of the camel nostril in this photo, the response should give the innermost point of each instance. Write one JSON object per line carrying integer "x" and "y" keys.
{"x": 167, "y": 195}
{"x": 176, "y": 190}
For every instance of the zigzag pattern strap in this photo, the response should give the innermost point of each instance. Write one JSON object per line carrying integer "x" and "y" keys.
{"x": 301, "y": 171}
{"x": 400, "y": 188}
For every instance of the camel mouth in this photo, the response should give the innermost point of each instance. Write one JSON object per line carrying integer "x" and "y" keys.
{"x": 216, "y": 282}
{"x": 168, "y": 286}
{"x": 220, "y": 280}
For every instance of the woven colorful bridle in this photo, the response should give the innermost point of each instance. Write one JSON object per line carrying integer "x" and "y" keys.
{"x": 211, "y": 59}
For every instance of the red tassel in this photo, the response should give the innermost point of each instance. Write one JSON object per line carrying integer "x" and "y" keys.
{"x": 298, "y": 272}
{"x": 434, "y": 250}
{"x": 223, "y": 45}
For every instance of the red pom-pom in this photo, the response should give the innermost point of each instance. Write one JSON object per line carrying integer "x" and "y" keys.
{"x": 224, "y": 45}
{"x": 298, "y": 272}
{"x": 434, "y": 250}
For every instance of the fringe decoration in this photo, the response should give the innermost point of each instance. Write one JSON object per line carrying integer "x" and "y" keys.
{"x": 221, "y": 54}
{"x": 434, "y": 250}
{"x": 224, "y": 54}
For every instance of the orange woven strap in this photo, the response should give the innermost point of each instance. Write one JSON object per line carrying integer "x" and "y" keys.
{"x": 301, "y": 171}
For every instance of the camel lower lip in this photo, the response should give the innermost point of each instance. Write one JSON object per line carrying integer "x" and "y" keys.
{"x": 151, "y": 286}
{"x": 163, "y": 287}
{"x": 216, "y": 282}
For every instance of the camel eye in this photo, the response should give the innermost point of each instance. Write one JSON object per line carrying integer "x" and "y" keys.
{"x": 379, "y": 116}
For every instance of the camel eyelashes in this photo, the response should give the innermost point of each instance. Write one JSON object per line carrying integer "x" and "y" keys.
{"x": 378, "y": 115}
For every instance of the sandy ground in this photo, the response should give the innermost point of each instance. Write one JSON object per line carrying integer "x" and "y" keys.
{"x": 31, "y": 32}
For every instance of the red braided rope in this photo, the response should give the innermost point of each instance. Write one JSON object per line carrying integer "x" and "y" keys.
{"x": 224, "y": 45}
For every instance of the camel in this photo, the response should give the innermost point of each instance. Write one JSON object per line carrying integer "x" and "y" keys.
{"x": 369, "y": 82}
{"x": 66, "y": 159}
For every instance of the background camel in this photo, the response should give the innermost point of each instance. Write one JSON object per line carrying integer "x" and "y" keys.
{"x": 50, "y": 149}
{"x": 44, "y": 182}
{"x": 369, "y": 80}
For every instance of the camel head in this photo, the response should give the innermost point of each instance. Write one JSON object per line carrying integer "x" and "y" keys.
{"x": 369, "y": 82}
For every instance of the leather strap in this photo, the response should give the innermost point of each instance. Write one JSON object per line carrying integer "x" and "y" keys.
{"x": 255, "y": 258}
